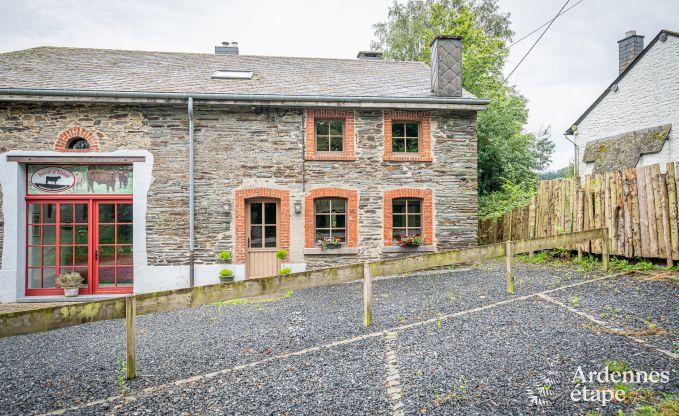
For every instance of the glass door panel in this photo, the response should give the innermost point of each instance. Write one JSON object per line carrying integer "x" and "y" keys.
{"x": 113, "y": 254}
{"x": 52, "y": 243}
{"x": 263, "y": 225}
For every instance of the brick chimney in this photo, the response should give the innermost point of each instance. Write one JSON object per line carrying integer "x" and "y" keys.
{"x": 446, "y": 66}
{"x": 629, "y": 48}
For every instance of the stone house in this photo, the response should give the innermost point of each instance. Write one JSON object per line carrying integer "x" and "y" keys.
{"x": 630, "y": 123}
{"x": 137, "y": 168}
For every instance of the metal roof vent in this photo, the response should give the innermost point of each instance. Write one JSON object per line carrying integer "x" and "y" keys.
{"x": 227, "y": 48}
{"x": 370, "y": 55}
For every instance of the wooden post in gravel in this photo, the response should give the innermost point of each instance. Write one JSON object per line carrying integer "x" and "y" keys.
{"x": 509, "y": 253}
{"x": 367, "y": 295}
{"x": 605, "y": 249}
{"x": 130, "y": 337}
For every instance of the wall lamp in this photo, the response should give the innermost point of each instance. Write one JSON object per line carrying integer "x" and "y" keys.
{"x": 298, "y": 207}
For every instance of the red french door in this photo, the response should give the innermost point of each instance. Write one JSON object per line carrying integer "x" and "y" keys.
{"x": 91, "y": 236}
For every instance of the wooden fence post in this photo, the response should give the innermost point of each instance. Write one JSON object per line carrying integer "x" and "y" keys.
{"x": 509, "y": 253}
{"x": 131, "y": 337}
{"x": 367, "y": 295}
{"x": 605, "y": 249}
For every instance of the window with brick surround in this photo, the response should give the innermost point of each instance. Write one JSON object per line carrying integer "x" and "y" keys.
{"x": 329, "y": 135}
{"x": 76, "y": 139}
{"x": 406, "y": 217}
{"x": 330, "y": 220}
{"x": 407, "y": 136}
{"x": 408, "y": 211}
{"x": 331, "y": 212}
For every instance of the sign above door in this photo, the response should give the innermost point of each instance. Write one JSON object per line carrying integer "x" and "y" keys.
{"x": 79, "y": 179}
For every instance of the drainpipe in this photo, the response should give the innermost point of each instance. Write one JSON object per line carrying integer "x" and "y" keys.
{"x": 192, "y": 208}
{"x": 576, "y": 156}
{"x": 303, "y": 148}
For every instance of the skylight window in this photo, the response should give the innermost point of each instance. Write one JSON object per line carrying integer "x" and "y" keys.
{"x": 232, "y": 75}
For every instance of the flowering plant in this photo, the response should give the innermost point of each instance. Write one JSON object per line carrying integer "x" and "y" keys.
{"x": 414, "y": 240}
{"x": 332, "y": 242}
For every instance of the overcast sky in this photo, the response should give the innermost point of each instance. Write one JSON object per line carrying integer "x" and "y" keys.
{"x": 561, "y": 77}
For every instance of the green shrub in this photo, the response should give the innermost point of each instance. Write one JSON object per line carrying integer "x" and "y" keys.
{"x": 282, "y": 254}
{"x": 496, "y": 204}
{"x": 285, "y": 270}
{"x": 225, "y": 256}
{"x": 226, "y": 273}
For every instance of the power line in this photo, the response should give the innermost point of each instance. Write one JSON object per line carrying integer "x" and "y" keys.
{"x": 534, "y": 44}
{"x": 543, "y": 25}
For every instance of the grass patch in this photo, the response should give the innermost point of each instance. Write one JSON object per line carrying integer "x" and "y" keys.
{"x": 287, "y": 295}
{"x": 617, "y": 366}
{"x": 667, "y": 406}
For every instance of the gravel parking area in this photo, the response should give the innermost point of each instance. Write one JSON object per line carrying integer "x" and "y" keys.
{"x": 460, "y": 345}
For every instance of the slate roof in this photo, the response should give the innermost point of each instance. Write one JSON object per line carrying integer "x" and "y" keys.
{"x": 624, "y": 150}
{"x": 169, "y": 72}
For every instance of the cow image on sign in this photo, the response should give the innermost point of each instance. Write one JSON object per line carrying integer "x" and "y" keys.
{"x": 102, "y": 177}
{"x": 53, "y": 179}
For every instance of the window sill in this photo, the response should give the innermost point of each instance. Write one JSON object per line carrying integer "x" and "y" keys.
{"x": 343, "y": 251}
{"x": 420, "y": 249}
{"x": 319, "y": 156}
{"x": 408, "y": 158}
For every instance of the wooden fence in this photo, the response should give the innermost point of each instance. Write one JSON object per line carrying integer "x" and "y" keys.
{"x": 129, "y": 307}
{"x": 638, "y": 206}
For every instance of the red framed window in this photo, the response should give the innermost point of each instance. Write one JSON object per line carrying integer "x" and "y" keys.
{"x": 84, "y": 234}
{"x": 113, "y": 252}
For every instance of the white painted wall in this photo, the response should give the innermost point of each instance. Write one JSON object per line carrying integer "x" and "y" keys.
{"x": 647, "y": 96}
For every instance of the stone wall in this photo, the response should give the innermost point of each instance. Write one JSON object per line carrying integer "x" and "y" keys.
{"x": 238, "y": 148}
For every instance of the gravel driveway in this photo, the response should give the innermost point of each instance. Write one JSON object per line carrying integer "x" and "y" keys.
{"x": 443, "y": 342}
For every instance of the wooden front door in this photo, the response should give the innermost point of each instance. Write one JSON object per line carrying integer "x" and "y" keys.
{"x": 263, "y": 220}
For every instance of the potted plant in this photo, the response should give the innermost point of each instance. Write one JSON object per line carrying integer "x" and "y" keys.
{"x": 331, "y": 243}
{"x": 225, "y": 256}
{"x": 226, "y": 275}
{"x": 410, "y": 241}
{"x": 70, "y": 282}
{"x": 282, "y": 255}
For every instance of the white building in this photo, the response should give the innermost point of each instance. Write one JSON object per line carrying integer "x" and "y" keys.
{"x": 634, "y": 121}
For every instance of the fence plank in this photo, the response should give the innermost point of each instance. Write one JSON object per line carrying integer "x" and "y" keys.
{"x": 634, "y": 201}
{"x": 650, "y": 208}
{"x": 644, "y": 227}
{"x": 672, "y": 207}
{"x": 664, "y": 207}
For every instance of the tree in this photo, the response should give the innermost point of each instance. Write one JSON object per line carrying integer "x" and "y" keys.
{"x": 507, "y": 153}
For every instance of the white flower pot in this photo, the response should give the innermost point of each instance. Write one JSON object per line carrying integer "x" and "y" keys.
{"x": 70, "y": 292}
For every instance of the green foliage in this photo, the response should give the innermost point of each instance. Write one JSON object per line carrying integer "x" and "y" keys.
{"x": 69, "y": 280}
{"x": 506, "y": 153}
{"x": 617, "y": 366}
{"x": 289, "y": 294}
{"x": 226, "y": 273}
{"x": 121, "y": 379}
{"x": 587, "y": 263}
{"x": 575, "y": 301}
{"x": 539, "y": 257}
{"x": 565, "y": 172}
{"x": 510, "y": 196}
{"x": 624, "y": 264}
{"x": 282, "y": 254}
{"x": 285, "y": 270}
{"x": 225, "y": 256}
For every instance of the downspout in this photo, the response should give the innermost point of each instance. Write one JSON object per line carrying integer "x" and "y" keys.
{"x": 191, "y": 196}
{"x": 576, "y": 156}
{"x": 303, "y": 149}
